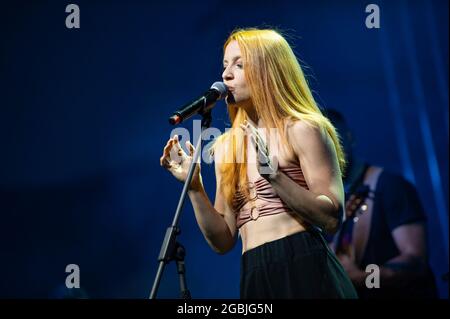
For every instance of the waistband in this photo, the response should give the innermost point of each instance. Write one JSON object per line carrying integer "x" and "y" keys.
{"x": 287, "y": 248}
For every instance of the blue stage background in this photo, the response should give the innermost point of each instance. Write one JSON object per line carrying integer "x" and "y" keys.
{"x": 84, "y": 119}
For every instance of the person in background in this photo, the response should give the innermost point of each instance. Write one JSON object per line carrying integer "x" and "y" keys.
{"x": 385, "y": 225}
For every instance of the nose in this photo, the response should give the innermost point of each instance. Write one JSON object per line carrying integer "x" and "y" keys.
{"x": 227, "y": 74}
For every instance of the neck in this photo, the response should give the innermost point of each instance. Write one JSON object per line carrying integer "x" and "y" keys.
{"x": 254, "y": 119}
{"x": 250, "y": 111}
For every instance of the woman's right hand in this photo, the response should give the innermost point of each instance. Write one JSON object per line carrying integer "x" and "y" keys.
{"x": 177, "y": 162}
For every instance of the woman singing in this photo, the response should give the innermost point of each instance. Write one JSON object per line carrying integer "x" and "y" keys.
{"x": 278, "y": 191}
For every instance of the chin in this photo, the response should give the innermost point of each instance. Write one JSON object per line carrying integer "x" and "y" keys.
{"x": 234, "y": 101}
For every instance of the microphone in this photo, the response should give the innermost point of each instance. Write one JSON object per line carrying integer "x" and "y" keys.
{"x": 201, "y": 105}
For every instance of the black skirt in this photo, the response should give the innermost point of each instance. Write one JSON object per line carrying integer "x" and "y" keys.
{"x": 297, "y": 266}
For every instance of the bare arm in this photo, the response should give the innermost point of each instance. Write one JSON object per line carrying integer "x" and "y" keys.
{"x": 322, "y": 204}
{"x": 411, "y": 261}
{"x": 217, "y": 223}
{"x": 407, "y": 265}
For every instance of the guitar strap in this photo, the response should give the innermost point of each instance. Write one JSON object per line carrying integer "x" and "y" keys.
{"x": 361, "y": 233}
{"x": 352, "y": 240}
{"x": 342, "y": 238}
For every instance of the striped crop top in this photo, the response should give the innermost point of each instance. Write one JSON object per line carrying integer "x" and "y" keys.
{"x": 270, "y": 203}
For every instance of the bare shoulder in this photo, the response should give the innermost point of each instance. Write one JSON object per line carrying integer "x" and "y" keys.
{"x": 304, "y": 135}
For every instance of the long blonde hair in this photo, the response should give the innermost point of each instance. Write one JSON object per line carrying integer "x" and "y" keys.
{"x": 278, "y": 91}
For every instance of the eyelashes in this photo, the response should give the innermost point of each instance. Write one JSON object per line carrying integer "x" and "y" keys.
{"x": 239, "y": 66}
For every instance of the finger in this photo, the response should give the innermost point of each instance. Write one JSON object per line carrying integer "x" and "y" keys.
{"x": 168, "y": 141}
{"x": 244, "y": 128}
{"x": 170, "y": 155}
{"x": 274, "y": 163}
{"x": 253, "y": 140}
{"x": 167, "y": 144}
{"x": 167, "y": 148}
{"x": 180, "y": 151}
{"x": 251, "y": 128}
{"x": 260, "y": 149}
{"x": 164, "y": 162}
{"x": 161, "y": 160}
{"x": 176, "y": 141}
{"x": 177, "y": 155}
{"x": 190, "y": 147}
{"x": 247, "y": 128}
{"x": 263, "y": 159}
{"x": 260, "y": 141}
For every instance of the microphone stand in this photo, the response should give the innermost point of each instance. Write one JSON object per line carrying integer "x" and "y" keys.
{"x": 171, "y": 249}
